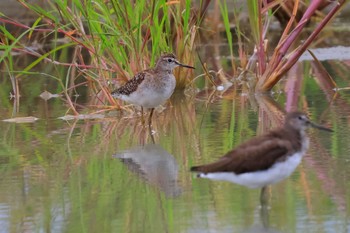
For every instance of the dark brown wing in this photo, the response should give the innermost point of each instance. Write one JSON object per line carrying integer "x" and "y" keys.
{"x": 131, "y": 85}
{"x": 256, "y": 154}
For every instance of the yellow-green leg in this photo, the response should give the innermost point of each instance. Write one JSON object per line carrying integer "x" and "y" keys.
{"x": 150, "y": 117}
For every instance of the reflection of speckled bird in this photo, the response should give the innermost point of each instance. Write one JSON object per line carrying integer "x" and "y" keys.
{"x": 151, "y": 87}
{"x": 265, "y": 159}
{"x": 155, "y": 165}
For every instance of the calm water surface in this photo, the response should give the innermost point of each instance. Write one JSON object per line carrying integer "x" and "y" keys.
{"x": 110, "y": 175}
{"x": 107, "y": 175}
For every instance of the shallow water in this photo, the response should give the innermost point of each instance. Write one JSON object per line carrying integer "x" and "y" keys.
{"x": 106, "y": 175}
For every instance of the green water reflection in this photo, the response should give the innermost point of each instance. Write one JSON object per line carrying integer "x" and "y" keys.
{"x": 104, "y": 175}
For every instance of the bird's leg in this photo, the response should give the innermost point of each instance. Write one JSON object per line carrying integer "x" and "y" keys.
{"x": 264, "y": 196}
{"x": 264, "y": 212}
{"x": 142, "y": 119}
{"x": 151, "y": 133}
{"x": 150, "y": 117}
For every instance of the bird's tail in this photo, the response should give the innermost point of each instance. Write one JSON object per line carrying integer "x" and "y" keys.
{"x": 115, "y": 94}
{"x": 195, "y": 169}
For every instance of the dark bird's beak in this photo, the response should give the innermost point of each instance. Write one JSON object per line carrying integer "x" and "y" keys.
{"x": 319, "y": 127}
{"x": 183, "y": 65}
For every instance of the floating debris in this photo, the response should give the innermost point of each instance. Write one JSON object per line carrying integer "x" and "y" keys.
{"x": 225, "y": 83}
{"x": 341, "y": 88}
{"x": 47, "y": 95}
{"x": 81, "y": 117}
{"x": 220, "y": 88}
{"x": 28, "y": 119}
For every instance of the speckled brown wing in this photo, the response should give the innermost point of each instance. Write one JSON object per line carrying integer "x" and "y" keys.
{"x": 131, "y": 85}
{"x": 257, "y": 154}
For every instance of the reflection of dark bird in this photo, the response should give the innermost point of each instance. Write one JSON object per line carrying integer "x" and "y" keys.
{"x": 154, "y": 164}
{"x": 265, "y": 159}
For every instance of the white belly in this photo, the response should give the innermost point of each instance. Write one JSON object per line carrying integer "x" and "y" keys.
{"x": 274, "y": 174}
{"x": 152, "y": 94}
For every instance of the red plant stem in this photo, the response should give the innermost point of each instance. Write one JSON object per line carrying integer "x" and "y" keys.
{"x": 81, "y": 66}
{"x": 67, "y": 34}
{"x": 261, "y": 50}
{"x": 20, "y": 25}
{"x": 49, "y": 21}
{"x": 295, "y": 33}
{"x": 293, "y": 86}
{"x": 295, "y": 56}
{"x": 274, "y": 78}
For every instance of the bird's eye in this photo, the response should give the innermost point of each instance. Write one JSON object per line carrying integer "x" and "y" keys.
{"x": 300, "y": 117}
{"x": 170, "y": 60}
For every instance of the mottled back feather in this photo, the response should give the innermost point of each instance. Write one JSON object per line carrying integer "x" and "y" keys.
{"x": 131, "y": 85}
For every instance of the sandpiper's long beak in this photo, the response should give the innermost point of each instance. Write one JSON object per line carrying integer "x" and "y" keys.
{"x": 319, "y": 127}
{"x": 183, "y": 65}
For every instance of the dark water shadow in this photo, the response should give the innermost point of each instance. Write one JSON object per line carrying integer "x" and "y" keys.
{"x": 264, "y": 225}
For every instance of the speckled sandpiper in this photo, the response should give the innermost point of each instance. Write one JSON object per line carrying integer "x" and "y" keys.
{"x": 265, "y": 159}
{"x": 152, "y": 87}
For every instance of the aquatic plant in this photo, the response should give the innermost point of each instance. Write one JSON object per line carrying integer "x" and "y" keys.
{"x": 282, "y": 59}
{"x": 119, "y": 37}
{"x": 106, "y": 43}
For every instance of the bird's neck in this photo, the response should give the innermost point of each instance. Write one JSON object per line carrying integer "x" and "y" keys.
{"x": 298, "y": 137}
{"x": 159, "y": 70}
